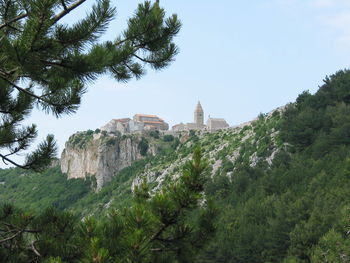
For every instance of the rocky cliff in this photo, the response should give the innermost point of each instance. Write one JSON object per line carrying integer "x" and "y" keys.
{"x": 100, "y": 155}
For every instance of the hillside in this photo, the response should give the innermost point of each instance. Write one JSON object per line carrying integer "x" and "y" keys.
{"x": 280, "y": 182}
{"x": 250, "y": 143}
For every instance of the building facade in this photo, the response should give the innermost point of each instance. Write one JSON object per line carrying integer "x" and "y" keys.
{"x": 140, "y": 122}
{"x": 151, "y": 122}
{"x": 117, "y": 125}
{"x": 199, "y": 116}
{"x": 198, "y": 122}
{"x": 179, "y": 127}
{"x": 214, "y": 124}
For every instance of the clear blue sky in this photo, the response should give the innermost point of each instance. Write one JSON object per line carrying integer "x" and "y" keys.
{"x": 239, "y": 58}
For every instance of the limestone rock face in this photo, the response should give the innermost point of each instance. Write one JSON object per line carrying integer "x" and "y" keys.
{"x": 100, "y": 156}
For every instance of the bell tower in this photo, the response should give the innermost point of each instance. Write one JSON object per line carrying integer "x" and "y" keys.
{"x": 199, "y": 116}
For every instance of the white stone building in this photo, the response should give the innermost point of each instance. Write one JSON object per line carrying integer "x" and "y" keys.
{"x": 117, "y": 125}
{"x": 198, "y": 124}
{"x": 139, "y": 123}
{"x": 214, "y": 124}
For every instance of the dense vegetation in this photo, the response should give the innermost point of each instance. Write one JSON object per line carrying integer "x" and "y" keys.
{"x": 37, "y": 191}
{"x": 280, "y": 183}
{"x": 170, "y": 226}
{"x": 297, "y": 210}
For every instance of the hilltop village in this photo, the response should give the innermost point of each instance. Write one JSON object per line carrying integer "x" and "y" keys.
{"x": 144, "y": 122}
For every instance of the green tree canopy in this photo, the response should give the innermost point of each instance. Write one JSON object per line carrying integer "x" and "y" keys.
{"x": 47, "y": 64}
{"x": 172, "y": 226}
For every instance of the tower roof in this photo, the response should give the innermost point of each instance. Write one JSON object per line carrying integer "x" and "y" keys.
{"x": 199, "y": 107}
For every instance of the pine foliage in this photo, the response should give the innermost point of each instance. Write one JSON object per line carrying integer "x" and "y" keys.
{"x": 46, "y": 63}
{"x": 170, "y": 226}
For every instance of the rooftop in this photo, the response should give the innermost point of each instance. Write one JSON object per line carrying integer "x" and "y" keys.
{"x": 146, "y": 115}
{"x": 154, "y": 122}
{"x": 123, "y": 120}
{"x": 216, "y": 119}
{"x": 199, "y": 107}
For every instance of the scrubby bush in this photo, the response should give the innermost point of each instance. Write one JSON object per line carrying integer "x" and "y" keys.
{"x": 143, "y": 146}
{"x": 154, "y": 134}
{"x": 168, "y": 138}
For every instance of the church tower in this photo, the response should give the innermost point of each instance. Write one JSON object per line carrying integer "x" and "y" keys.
{"x": 199, "y": 116}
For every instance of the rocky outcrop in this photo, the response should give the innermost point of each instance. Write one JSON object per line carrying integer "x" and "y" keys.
{"x": 100, "y": 155}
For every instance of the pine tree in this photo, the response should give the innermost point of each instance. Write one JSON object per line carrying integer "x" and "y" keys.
{"x": 170, "y": 226}
{"x": 45, "y": 63}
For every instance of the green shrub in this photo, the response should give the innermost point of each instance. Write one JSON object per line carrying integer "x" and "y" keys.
{"x": 168, "y": 138}
{"x": 143, "y": 146}
{"x": 154, "y": 134}
{"x": 175, "y": 143}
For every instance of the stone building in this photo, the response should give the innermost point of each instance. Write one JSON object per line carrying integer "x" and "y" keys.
{"x": 214, "y": 124}
{"x": 136, "y": 126}
{"x": 179, "y": 127}
{"x": 199, "y": 116}
{"x": 198, "y": 124}
{"x": 139, "y": 123}
{"x": 198, "y": 119}
{"x": 151, "y": 122}
{"x": 117, "y": 125}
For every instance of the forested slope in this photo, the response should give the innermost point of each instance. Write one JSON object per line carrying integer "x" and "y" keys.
{"x": 298, "y": 209}
{"x": 280, "y": 184}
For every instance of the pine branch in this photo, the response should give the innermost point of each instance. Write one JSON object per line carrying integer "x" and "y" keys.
{"x": 149, "y": 28}
{"x": 64, "y": 5}
{"x": 33, "y": 95}
{"x": 66, "y": 11}
{"x": 164, "y": 249}
{"x": 22, "y": 141}
{"x": 42, "y": 21}
{"x": 159, "y": 232}
{"x": 169, "y": 240}
{"x": 34, "y": 249}
{"x": 17, "y": 228}
{"x": 52, "y": 63}
{"x": 62, "y": 58}
{"x": 26, "y": 91}
{"x": 15, "y": 19}
{"x": 7, "y": 124}
{"x": 152, "y": 61}
{"x": 11, "y": 237}
{"x": 88, "y": 29}
{"x": 14, "y": 28}
{"x": 5, "y": 159}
